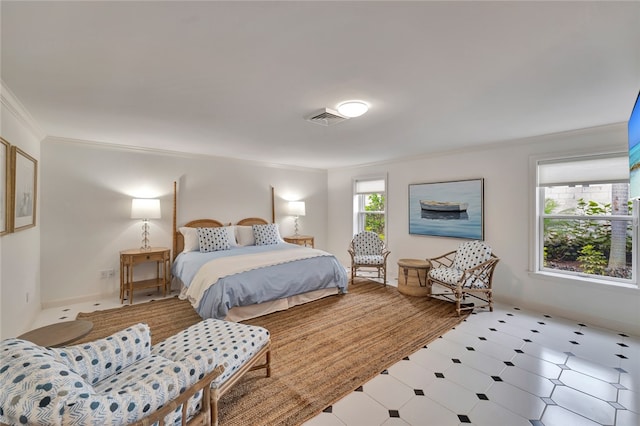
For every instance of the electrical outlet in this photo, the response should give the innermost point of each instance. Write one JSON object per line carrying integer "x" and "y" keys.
{"x": 104, "y": 274}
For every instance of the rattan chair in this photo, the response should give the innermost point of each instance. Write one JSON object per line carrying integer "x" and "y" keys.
{"x": 368, "y": 250}
{"x": 467, "y": 271}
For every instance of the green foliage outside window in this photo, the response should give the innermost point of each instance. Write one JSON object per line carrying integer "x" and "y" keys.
{"x": 375, "y": 221}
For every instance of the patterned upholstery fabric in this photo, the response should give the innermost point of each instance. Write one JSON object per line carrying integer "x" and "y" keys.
{"x": 213, "y": 239}
{"x": 232, "y": 343}
{"x": 368, "y": 244}
{"x": 266, "y": 235}
{"x": 471, "y": 254}
{"x": 41, "y": 385}
{"x": 102, "y": 358}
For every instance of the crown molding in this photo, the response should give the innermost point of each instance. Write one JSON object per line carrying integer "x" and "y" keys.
{"x": 13, "y": 105}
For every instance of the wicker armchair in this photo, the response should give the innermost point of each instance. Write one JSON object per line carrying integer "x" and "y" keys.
{"x": 467, "y": 271}
{"x": 367, "y": 250}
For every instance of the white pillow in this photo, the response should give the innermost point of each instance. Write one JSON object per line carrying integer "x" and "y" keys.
{"x": 213, "y": 239}
{"x": 191, "y": 242}
{"x": 244, "y": 235}
{"x": 231, "y": 232}
{"x": 266, "y": 235}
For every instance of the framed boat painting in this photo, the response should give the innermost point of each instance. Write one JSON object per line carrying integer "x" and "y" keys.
{"x": 447, "y": 209}
{"x": 4, "y": 186}
{"x": 24, "y": 169}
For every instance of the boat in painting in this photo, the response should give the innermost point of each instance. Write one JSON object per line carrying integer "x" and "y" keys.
{"x": 443, "y": 206}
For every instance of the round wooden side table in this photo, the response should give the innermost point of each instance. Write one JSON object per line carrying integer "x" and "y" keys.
{"x": 58, "y": 334}
{"x": 412, "y": 277}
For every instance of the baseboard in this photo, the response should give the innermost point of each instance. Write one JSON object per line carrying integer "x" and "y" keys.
{"x": 80, "y": 299}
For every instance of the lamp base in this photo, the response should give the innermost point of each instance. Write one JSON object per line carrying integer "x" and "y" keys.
{"x": 145, "y": 236}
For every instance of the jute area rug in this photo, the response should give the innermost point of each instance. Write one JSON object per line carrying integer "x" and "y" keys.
{"x": 321, "y": 351}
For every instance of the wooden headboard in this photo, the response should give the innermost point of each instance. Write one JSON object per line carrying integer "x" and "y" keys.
{"x": 178, "y": 238}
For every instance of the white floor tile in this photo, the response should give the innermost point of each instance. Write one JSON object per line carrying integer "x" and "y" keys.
{"x": 359, "y": 409}
{"x": 587, "y": 406}
{"x": 388, "y": 391}
{"x": 451, "y": 396}
{"x": 516, "y": 400}
{"x": 487, "y": 413}
{"x": 589, "y": 385}
{"x": 421, "y": 411}
{"x": 559, "y": 416}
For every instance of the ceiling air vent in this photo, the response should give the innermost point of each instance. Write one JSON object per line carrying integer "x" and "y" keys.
{"x": 326, "y": 117}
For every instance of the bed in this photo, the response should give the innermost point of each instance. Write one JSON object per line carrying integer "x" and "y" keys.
{"x": 253, "y": 273}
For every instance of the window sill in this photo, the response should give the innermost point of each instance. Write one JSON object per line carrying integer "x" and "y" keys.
{"x": 553, "y": 276}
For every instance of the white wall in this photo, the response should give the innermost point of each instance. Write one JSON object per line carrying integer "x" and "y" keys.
{"x": 19, "y": 251}
{"x": 86, "y": 204}
{"x": 508, "y": 212}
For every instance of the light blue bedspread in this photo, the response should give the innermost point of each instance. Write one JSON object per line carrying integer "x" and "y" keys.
{"x": 259, "y": 285}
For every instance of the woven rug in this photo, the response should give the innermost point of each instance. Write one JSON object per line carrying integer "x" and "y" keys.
{"x": 321, "y": 351}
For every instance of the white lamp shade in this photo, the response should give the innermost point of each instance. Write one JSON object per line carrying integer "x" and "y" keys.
{"x": 145, "y": 208}
{"x": 296, "y": 208}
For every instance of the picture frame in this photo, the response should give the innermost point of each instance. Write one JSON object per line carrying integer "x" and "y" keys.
{"x": 5, "y": 186}
{"x": 24, "y": 175}
{"x": 453, "y": 209}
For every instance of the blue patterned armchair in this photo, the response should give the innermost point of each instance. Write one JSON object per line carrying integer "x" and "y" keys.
{"x": 112, "y": 381}
{"x": 367, "y": 250}
{"x": 467, "y": 271}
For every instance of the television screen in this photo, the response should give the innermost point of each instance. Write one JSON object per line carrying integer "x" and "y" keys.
{"x": 634, "y": 151}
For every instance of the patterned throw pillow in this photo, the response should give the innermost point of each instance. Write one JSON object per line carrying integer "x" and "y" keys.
{"x": 213, "y": 239}
{"x": 266, "y": 235}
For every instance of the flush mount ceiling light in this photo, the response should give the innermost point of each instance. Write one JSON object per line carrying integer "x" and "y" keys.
{"x": 353, "y": 109}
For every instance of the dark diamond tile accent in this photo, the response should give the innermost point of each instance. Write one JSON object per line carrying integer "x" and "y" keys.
{"x": 509, "y": 363}
{"x": 406, "y": 358}
{"x": 623, "y": 345}
{"x": 621, "y": 356}
{"x": 463, "y": 418}
{"x": 394, "y": 413}
{"x": 557, "y": 382}
{"x": 66, "y": 310}
{"x": 536, "y": 423}
{"x": 541, "y": 323}
{"x": 582, "y": 325}
{"x": 548, "y": 401}
{"x": 502, "y": 321}
{"x": 439, "y": 375}
{"x": 547, "y": 316}
{"x": 623, "y": 335}
{"x": 493, "y": 329}
{"x": 573, "y": 342}
{"x": 564, "y": 366}
{"x": 418, "y": 392}
{"x": 96, "y": 304}
{"x": 470, "y": 348}
{"x": 62, "y": 318}
{"x": 509, "y": 314}
{"x": 456, "y": 361}
{"x": 578, "y": 333}
{"x": 496, "y": 378}
{"x": 617, "y": 406}
{"x": 482, "y": 338}
{"x": 359, "y": 389}
{"x": 384, "y": 372}
{"x": 520, "y": 351}
{"x": 535, "y": 331}
{"x": 528, "y": 340}
{"x": 329, "y": 409}
{"x": 621, "y": 370}
{"x": 618, "y": 386}
{"x": 482, "y": 396}
{"x": 426, "y": 347}
{"x": 516, "y": 309}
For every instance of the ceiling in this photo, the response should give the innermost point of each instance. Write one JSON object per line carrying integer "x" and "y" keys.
{"x": 237, "y": 79}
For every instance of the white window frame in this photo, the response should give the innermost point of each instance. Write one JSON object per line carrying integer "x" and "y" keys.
{"x": 359, "y": 201}
{"x": 537, "y": 237}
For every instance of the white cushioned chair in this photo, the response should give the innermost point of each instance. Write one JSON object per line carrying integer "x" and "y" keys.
{"x": 467, "y": 271}
{"x": 111, "y": 381}
{"x": 367, "y": 250}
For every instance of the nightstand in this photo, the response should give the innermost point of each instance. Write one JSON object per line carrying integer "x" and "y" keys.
{"x": 130, "y": 258}
{"x": 301, "y": 240}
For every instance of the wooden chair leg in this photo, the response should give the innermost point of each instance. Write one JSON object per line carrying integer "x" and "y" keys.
{"x": 214, "y": 407}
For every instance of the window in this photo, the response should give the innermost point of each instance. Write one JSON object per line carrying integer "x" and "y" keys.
{"x": 585, "y": 221}
{"x": 369, "y": 206}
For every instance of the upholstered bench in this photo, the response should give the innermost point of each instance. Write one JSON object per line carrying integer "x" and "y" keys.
{"x": 111, "y": 381}
{"x": 238, "y": 348}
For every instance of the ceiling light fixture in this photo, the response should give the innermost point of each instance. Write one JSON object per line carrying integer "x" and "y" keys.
{"x": 353, "y": 109}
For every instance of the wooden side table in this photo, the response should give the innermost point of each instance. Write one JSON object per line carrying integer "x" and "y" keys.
{"x": 130, "y": 258}
{"x": 412, "y": 277}
{"x": 301, "y": 240}
{"x": 58, "y": 334}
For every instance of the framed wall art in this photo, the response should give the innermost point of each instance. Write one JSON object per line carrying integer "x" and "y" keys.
{"x": 447, "y": 209}
{"x": 5, "y": 186}
{"x": 24, "y": 174}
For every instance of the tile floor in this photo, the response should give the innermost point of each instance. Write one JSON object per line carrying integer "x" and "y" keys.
{"x": 507, "y": 367}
